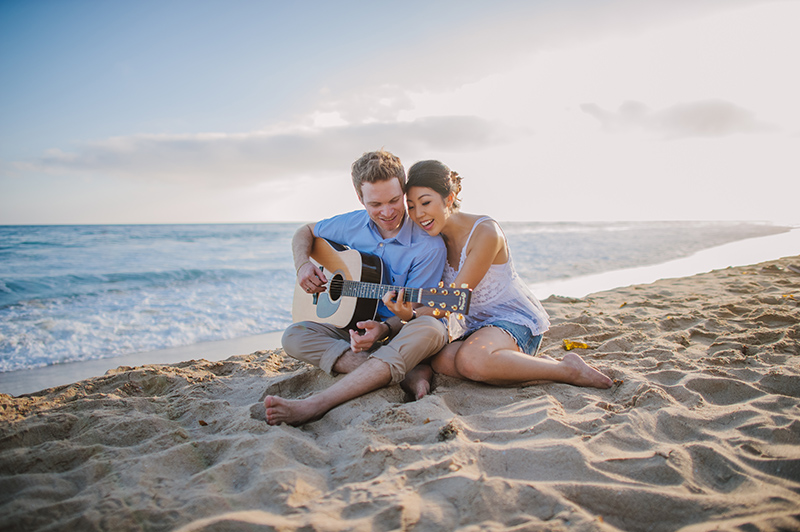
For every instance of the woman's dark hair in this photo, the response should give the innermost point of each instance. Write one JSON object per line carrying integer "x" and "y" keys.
{"x": 435, "y": 175}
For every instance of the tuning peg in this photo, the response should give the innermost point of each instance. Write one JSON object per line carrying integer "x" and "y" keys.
{"x": 456, "y": 292}
{"x": 444, "y": 292}
{"x": 460, "y": 316}
{"x": 441, "y": 284}
{"x": 464, "y": 285}
{"x": 454, "y": 307}
{"x": 443, "y": 305}
{"x": 447, "y": 313}
{"x": 436, "y": 312}
{"x": 431, "y": 303}
{"x": 452, "y": 285}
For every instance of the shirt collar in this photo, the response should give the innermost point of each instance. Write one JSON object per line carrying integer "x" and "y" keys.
{"x": 402, "y": 237}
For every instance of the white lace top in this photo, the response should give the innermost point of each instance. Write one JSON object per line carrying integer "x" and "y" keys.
{"x": 500, "y": 295}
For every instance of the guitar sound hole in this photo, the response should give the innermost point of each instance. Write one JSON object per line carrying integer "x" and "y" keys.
{"x": 335, "y": 287}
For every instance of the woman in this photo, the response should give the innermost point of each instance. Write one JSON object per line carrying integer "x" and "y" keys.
{"x": 499, "y": 338}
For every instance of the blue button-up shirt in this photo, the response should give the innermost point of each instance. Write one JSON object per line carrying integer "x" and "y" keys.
{"x": 412, "y": 258}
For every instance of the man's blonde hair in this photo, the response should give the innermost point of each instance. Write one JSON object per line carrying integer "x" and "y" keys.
{"x": 377, "y": 166}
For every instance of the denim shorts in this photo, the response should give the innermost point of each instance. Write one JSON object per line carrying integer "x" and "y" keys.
{"x": 526, "y": 340}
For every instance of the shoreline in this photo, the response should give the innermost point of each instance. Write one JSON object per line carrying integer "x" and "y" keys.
{"x": 733, "y": 254}
{"x": 28, "y": 381}
{"x": 740, "y": 253}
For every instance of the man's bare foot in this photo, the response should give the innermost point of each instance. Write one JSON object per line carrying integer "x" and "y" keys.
{"x": 585, "y": 375}
{"x": 416, "y": 388}
{"x": 417, "y": 383}
{"x": 290, "y": 411}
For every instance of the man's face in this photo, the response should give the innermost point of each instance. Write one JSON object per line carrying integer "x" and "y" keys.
{"x": 385, "y": 205}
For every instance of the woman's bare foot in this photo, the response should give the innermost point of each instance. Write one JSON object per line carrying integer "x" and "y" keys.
{"x": 290, "y": 411}
{"x": 417, "y": 383}
{"x": 585, "y": 375}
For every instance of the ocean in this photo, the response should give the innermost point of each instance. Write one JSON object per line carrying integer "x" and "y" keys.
{"x": 77, "y": 293}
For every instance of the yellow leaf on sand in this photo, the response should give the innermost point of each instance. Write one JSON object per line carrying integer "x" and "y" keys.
{"x": 569, "y": 345}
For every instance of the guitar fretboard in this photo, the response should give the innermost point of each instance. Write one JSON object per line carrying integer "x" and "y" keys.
{"x": 373, "y": 290}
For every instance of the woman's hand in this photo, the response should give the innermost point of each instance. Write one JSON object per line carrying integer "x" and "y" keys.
{"x": 394, "y": 302}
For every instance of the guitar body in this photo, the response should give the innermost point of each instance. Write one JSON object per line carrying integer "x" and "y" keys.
{"x": 338, "y": 263}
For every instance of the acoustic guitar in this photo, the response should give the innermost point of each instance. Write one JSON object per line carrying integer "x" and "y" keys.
{"x": 354, "y": 289}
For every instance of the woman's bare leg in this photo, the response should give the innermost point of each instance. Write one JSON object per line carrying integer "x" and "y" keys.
{"x": 490, "y": 355}
{"x": 444, "y": 361}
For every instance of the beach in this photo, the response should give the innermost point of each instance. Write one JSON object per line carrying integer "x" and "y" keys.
{"x": 701, "y": 431}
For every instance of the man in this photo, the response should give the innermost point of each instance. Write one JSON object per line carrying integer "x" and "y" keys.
{"x": 383, "y": 350}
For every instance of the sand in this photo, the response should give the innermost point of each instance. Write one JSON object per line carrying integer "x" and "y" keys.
{"x": 701, "y": 431}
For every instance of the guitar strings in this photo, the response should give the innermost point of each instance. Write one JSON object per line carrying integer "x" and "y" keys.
{"x": 339, "y": 285}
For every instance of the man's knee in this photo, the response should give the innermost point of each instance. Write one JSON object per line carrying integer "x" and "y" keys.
{"x": 291, "y": 339}
{"x": 418, "y": 340}
{"x": 429, "y": 332}
{"x": 301, "y": 340}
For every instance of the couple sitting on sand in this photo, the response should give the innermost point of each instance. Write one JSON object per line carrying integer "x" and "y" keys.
{"x": 431, "y": 241}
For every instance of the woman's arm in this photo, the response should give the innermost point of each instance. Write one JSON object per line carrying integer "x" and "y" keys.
{"x": 486, "y": 247}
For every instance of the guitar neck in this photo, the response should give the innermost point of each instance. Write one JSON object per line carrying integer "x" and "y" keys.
{"x": 377, "y": 291}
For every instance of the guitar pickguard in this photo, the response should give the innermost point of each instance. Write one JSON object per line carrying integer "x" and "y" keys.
{"x": 328, "y": 302}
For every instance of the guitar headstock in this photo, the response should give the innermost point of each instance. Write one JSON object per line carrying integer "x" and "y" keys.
{"x": 446, "y": 300}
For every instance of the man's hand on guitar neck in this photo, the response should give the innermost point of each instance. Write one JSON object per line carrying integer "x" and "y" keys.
{"x": 310, "y": 278}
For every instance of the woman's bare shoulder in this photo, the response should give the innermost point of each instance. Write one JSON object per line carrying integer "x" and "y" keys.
{"x": 488, "y": 229}
{"x": 490, "y": 241}
{"x": 487, "y": 235}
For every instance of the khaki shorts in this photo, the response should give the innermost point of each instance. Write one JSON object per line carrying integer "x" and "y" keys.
{"x": 322, "y": 344}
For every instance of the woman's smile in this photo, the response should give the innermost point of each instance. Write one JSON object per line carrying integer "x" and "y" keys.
{"x": 427, "y": 208}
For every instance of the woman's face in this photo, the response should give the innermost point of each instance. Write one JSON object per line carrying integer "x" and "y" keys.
{"x": 428, "y": 209}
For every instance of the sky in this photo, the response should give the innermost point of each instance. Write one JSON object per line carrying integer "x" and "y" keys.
{"x": 202, "y": 111}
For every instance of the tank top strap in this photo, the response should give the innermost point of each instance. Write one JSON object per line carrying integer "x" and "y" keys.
{"x": 469, "y": 237}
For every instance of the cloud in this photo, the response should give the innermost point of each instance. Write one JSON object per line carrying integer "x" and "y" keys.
{"x": 232, "y": 159}
{"x": 707, "y": 118}
{"x": 471, "y": 43}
